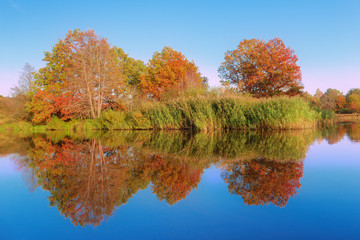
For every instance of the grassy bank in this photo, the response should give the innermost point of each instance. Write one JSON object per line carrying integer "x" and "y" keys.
{"x": 204, "y": 114}
{"x": 198, "y": 114}
{"x": 355, "y": 117}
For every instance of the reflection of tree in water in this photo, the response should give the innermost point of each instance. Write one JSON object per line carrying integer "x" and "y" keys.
{"x": 79, "y": 177}
{"x": 261, "y": 181}
{"x": 334, "y": 134}
{"x": 173, "y": 181}
{"x": 354, "y": 132}
{"x": 88, "y": 180}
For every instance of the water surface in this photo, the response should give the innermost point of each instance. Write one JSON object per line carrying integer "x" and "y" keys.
{"x": 176, "y": 185}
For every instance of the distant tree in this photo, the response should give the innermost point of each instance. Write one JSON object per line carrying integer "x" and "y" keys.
{"x": 340, "y": 102}
{"x": 353, "y": 101}
{"x": 262, "y": 68}
{"x": 169, "y": 70}
{"x": 318, "y": 94}
{"x": 329, "y": 99}
{"x": 316, "y": 98}
{"x": 14, "y": 107}
{"x": 205, "y": 81}
{"x": 308, "y": 97}
{"x": 353, "y": 91}
{"x": 26, "y": 81}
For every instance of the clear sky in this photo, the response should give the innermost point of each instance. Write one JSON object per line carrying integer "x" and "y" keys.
{"x": 325, "y": 34}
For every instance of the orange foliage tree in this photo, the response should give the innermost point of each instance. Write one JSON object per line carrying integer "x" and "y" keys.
{"x": 340, "y": 102}
{"x": 169, "y": 70}
{"x": 262, "y": 68}
{"x": 81, "y": 77}
{"x": 49, "y": 84}
{"x": 353, "y": 101}
{"x": 94, "y": 77}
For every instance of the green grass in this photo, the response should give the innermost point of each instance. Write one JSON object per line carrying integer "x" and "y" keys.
{"x": 78, "y": 125}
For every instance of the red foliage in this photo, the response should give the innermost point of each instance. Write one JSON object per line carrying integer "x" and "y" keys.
{"x": 262, "y": 68}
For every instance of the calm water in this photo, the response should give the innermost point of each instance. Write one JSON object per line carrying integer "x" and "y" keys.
{"x": 173, "y": 185}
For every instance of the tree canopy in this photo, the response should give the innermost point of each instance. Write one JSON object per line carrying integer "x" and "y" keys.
{"x": 263, "y": 69}
{"x": 81, "y": 77}
{"x": 170, "y": 70}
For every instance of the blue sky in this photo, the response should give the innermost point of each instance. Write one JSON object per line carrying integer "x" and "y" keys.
{"x": 324, "y": 34}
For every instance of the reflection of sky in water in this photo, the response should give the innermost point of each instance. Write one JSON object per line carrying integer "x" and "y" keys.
{"x": 7, "y": 166}
{"x": 343, "y": 154}
{"x": 327, "y": 206}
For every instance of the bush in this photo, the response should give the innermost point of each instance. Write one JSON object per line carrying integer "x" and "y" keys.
{"x": 346, "y": 111}
{"x": 327, "y": 114}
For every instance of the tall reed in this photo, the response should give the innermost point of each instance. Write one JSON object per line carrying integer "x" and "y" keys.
{"x": 207, "y": 113}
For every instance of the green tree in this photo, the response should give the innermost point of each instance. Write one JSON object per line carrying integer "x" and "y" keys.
{"x": 132, "y": 69}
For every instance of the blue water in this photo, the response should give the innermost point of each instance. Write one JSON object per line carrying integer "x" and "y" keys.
{"x": 326, "y": 206}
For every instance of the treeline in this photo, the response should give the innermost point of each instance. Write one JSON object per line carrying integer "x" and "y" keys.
{"x": 85, "y": 76}
{"x": 336, "y": 101}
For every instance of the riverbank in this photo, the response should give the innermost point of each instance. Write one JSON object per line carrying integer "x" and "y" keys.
{"x": 354, "y": 117}
{"x": 197, "y": 114}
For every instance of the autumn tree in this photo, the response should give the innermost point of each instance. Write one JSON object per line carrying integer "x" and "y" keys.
{"x": 262, "y": 68}
{"x": 94, "y": 80}
{"x": 354, "y": 102}
{"x": 50, "y": 97}
{"x": 340, "y": 102}
{"x": 353, "y": 91}
{"x": 316, "y": 98}
{"x": 332, "y": 99}
{"x": 81, "y": 78}
{"x": 353, "y": 99}
{"x": 169, "y": 70}
{"x": 13, "y": 108}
